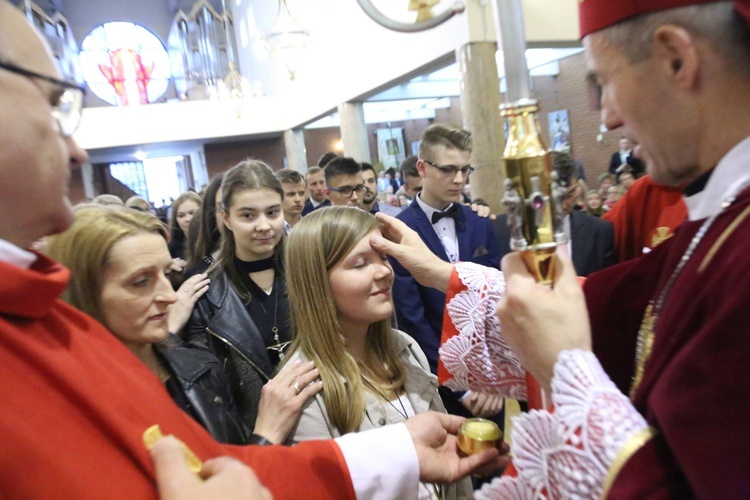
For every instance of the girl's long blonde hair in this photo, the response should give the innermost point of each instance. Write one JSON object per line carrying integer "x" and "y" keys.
{"x": 317, "y": 243}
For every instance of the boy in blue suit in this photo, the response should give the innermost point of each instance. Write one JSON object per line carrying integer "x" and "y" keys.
{"x": 453, "y": 232}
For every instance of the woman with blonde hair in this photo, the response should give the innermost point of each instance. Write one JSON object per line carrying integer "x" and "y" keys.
{"x": 119, "y": 263}
{"x": 341, "y": 308}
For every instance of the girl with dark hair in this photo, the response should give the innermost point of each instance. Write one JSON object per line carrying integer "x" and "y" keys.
{"x": 243, "y": 318}
{"x": 205, "y": 241}
{"x": 184, "y": 207}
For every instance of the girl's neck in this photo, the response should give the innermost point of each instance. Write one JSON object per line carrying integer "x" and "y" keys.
{"x": 264, "y": 279}
{"x": 356, "y": 339}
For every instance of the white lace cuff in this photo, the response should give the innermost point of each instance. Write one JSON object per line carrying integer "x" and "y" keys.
{"x": 569, "y": 453}
{"x": 478, "y": 357}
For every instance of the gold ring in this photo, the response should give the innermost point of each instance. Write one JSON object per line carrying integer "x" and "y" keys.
{"x": 297, "y": 388}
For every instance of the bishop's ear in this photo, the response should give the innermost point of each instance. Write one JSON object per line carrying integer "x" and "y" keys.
{"x": 675, "y": 47}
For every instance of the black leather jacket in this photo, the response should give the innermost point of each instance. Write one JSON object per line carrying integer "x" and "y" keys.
{"x": 221, "y": 325}
{"x": 203, "y": 390}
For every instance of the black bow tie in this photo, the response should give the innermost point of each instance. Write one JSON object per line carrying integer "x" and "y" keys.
{"x": 452, "y": 212}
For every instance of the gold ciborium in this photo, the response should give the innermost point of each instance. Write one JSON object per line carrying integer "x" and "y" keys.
{"x": 533, "y": 201}
{"x": 533, "y": 198}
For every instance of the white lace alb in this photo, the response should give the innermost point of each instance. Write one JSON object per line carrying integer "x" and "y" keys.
{"x": 478, "y": 357}
{"x": 568, "y": 453}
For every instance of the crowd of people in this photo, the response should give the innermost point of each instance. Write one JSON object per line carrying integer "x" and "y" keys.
{"x": 313, "y": 335}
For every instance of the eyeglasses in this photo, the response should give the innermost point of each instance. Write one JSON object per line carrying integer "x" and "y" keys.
{"x": 451, "y": 170}
{"x": 346, "y": 191}
{"x": 68, "y": 103}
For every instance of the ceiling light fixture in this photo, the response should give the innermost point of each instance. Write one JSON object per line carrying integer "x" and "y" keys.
{"x": 287, "y": 40}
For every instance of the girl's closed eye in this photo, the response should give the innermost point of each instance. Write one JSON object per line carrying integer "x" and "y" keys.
{"x": 141, "y": 281}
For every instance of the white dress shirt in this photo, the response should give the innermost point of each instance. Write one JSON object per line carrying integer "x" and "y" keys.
{"x": 17, "y": 256}
{"x": 730, "y": 176}
{"x": 445, "y": 228}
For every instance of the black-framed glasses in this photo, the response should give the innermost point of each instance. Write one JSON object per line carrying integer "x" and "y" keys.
{"x": 68, "y": 104}
{"x": 451, "y": 170}
{"x": 346, "y": 191}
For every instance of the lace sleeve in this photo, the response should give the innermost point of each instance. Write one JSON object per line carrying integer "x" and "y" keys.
{"x": 572, "y": 452}
{"x": 477, "y": 357}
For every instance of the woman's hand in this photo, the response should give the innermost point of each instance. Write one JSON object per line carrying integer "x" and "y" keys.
{"x": 282, "y": 398}
{"x": 482, "y": 404}
{"x": 187, "y": 295}
{"x": 177, "y": 265}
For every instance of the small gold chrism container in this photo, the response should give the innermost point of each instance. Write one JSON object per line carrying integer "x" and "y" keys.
{"x": 477, "y": 434}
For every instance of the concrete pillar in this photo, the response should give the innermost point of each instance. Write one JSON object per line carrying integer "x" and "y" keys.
{"x": 87, "y": 173}
{"x": 296, "y": 153}
{"x": 480, "y": 98}
{"x": 354, "y": 131}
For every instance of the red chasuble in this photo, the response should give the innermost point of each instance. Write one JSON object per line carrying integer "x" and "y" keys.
{"x": 695, "y": 390}
{"x": 645, "y": 216}
{"x": 76, "y": 403}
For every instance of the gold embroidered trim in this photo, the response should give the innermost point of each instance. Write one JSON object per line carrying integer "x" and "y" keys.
{"x": 661, "y": 234}
{"x": 727, "y": 232}
{"x": 627, "y": 450}
{"x": 643, "y": 347}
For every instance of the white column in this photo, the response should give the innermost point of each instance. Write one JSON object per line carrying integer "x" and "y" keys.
{"x": 480, "y": 98}
{"x": 296, "y": 153}
{"x": 354, "y": 131}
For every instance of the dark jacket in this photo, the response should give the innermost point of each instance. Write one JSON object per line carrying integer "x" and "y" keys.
{"x": 309, "y": 206}
{"x": 221, "y": 325}
{"x": 592, "y": 241}
{"x": 419, "y": 308}
{"x": 203, "y": 390}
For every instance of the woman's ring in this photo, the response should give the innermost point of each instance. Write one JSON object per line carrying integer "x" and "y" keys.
{"x": 297, "y": 388}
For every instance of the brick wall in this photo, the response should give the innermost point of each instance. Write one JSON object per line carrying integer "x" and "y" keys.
{"x": 223, "y": 156}
{"x": 568, "y": 91}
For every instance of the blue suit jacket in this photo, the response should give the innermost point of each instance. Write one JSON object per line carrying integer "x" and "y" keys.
{"x": 309, "y": 207}
{"x": 419, "y": 309}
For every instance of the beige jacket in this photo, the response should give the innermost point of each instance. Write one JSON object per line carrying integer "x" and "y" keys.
{"x": 420, "y": 387}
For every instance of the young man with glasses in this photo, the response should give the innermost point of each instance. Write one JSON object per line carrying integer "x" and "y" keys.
{"x": 344, "y": 182}
{"x": 454, "y": 233}
{"x": 79, "y": 406}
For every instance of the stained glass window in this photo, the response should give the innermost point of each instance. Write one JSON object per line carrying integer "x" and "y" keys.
{"x": 125, "y": 64}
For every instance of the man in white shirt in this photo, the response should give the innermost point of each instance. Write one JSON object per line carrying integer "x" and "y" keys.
{"x": 453, "y": 232}
{"x": 316, "y": 187}
{"x": 294, "y": 188}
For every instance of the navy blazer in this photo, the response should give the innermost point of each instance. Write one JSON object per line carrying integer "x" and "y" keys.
{"x": 592, "y": 241}
{"x": 309, "y": 206}
{"x": 636, "y": 164}
{"x": 419, "y": 309}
